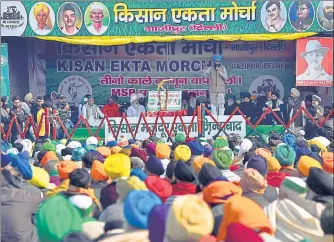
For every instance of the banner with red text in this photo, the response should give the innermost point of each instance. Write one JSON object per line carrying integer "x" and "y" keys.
{"x": 257, "y": 67}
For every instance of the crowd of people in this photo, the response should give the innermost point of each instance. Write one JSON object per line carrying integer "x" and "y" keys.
{"x": 251, "y": 106}
{"x": 188, "y": 189}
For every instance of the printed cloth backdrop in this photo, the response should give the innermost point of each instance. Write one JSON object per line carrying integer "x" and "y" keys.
{"x": 74, "y": 70}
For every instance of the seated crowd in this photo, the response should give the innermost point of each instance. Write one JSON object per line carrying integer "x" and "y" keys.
{"x": 187, "y": 189}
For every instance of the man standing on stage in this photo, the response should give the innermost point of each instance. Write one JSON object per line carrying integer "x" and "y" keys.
{"x": 218, "y": 77}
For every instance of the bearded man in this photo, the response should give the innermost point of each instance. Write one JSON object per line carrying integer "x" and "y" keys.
{"x": 91, "y": 112}
{"x": 328, "y": 14}
{"x": 135, "y": 109}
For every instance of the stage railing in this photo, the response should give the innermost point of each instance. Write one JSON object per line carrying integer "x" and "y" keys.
{"x": 54, "y": 123}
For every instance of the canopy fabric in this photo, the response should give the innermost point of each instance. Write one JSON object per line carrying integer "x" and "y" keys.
{"x": 117, "y": 40}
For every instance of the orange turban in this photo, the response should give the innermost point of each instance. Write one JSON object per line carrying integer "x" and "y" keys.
{"x": 242, "y": 210}
{"x": 65, "y": 168}
{"x": 50, "y": 155}
{"x": 199, "y": 161}
{"x": 115, "y": 150}
{"x": 273, "y": 163}
{"x": 217, "y": 192}
{"x": 162, "y": 151}
{"x": 104, "y": 151}
{"x": 97, "y": 171}
{"x": 328, "y": 165}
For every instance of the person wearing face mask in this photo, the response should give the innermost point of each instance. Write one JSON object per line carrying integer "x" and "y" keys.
{"x": 247, "y": 107}
{"x": 142, "y": 99}
{"x": 218, "y": 77}
{"x": 111, "y": 109}
{"x": 276, "y": 105}
{"x": 92, "y": 113}
{"x": 230, "y": 104}
{"x": 317, "y": 113}
{"x": 135, "y": 109}
{"x": 295, "y": 103}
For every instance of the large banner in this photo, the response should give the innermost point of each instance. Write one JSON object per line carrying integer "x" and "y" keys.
{"x": 162, "y": 18}
{"x": 236, "y": 125}
{"x": 5, "y": 86}
{"x": 314, "y": 64}
{"x": 257, "y": 67}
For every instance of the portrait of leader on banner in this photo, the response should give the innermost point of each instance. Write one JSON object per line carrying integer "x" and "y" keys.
{"x": 314, "y": 63}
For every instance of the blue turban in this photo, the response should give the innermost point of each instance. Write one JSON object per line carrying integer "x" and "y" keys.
{"x": 217, "y": 58}
{"x": 289, "y": 139}
{"x": 6, "y": 159}
{"x": 138, "y": 173}
{"x": 78, "y": 153}
{"x": 137, "y": 207}
{"x": 112, "y": 143}
{"x": 21, "y": 163}
{"x": 196, "y": 147}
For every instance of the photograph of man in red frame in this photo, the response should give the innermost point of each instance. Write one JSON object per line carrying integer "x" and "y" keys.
{"x": 314, "y": 62}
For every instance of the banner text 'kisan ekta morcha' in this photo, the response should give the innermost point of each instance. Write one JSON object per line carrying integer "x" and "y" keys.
{"x": 74, "y": 70}
{"x": 161, "y": 18}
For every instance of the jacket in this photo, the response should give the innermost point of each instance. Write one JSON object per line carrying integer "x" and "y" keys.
{"x": 18, "y": 207}
{"x": 217, "y": 79}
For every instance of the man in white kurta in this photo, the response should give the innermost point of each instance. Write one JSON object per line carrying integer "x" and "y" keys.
{"x": 92, "y": 113}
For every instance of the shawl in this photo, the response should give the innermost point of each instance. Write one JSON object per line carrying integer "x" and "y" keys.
{"x": 291, "y": 222}
{"x": 85, "y": 191}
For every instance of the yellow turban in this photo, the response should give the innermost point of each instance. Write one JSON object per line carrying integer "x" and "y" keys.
{"x": 40, "y": 178}
{"x": 117, "y": 165}
{"x": 317, "y": 143}
{"x": 123, "y": 187}
{"x": 200, "y": 161}
{"x": 305, "y": 163}
{"x": 42, "y": 7}
{"x": 182, "y": 152}
{"x": 189, "y": 218}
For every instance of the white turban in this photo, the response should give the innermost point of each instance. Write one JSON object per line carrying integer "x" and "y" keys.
{"x": 96, "y": 6}
{"x": 327, "y": 4}
{"x": 295, "y": 92}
